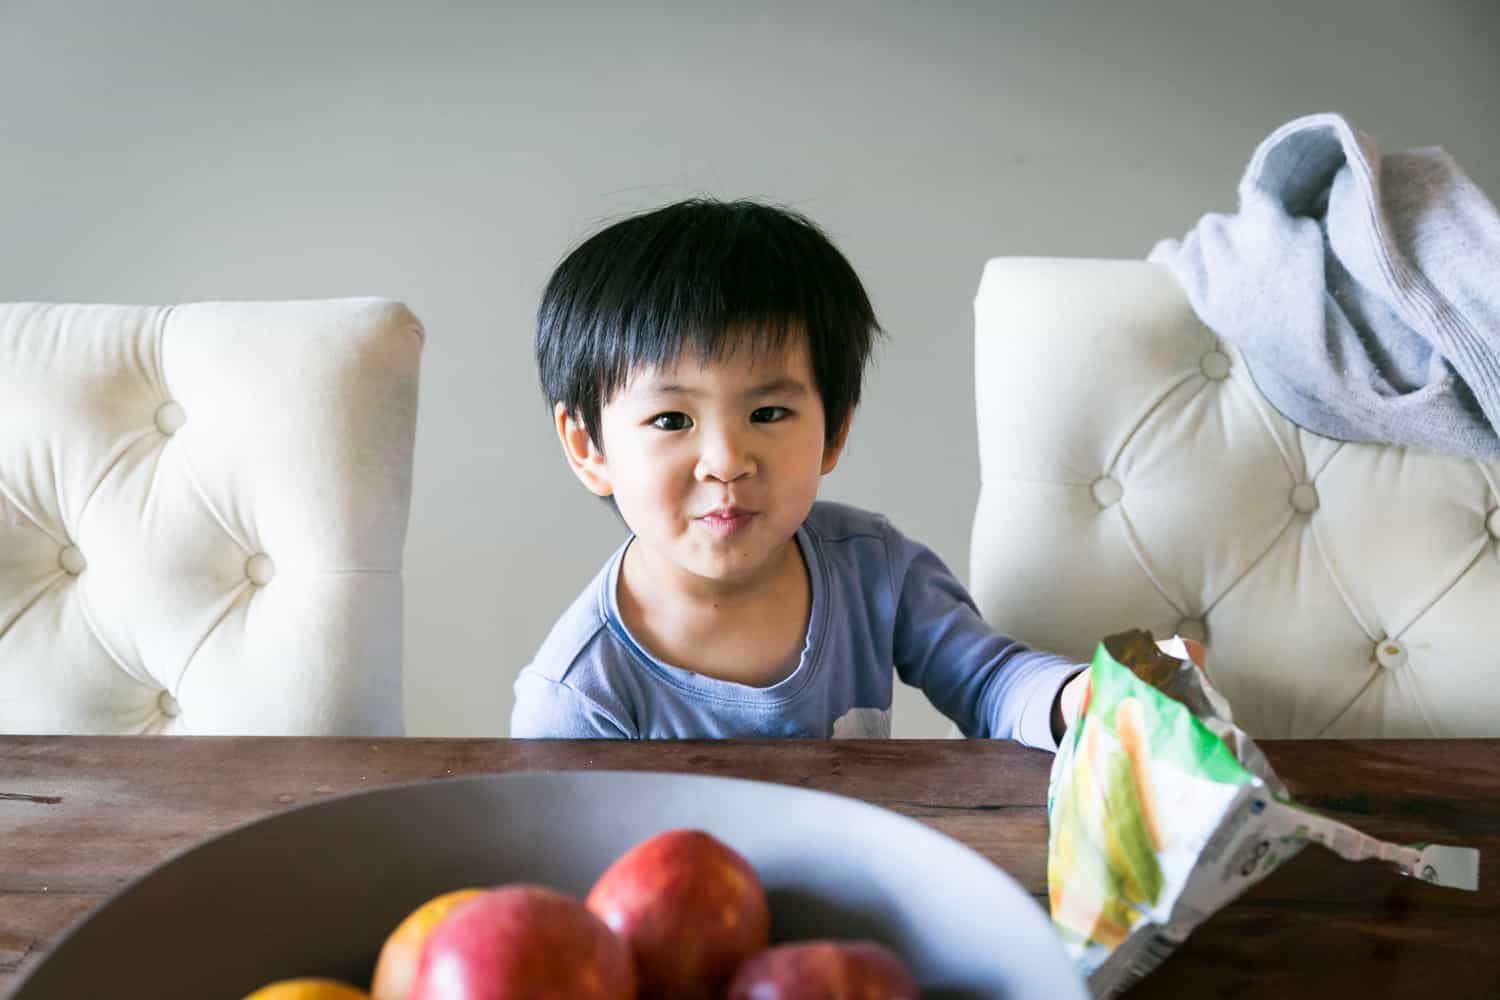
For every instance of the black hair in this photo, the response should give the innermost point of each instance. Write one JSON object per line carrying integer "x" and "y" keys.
{"x": 707, "y": 277}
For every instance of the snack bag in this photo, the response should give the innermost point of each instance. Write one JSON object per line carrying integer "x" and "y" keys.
{"x": 1161, "y": 811}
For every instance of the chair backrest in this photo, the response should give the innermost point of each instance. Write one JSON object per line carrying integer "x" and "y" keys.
{"x": 202, "y": 513}
{"x": 1133, "y": 476}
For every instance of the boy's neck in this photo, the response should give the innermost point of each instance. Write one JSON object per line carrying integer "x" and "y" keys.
{"x": 747, "y": 633}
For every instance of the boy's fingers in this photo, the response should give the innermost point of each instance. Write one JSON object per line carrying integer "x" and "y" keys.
{"x": 1073, "y": 694}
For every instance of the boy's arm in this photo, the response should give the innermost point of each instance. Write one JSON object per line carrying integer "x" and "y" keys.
{"x": 989, "y": 684}
{"x": 548, "y": 709}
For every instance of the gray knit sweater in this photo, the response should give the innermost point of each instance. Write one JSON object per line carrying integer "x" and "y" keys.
{"x": 1363, "y": 290}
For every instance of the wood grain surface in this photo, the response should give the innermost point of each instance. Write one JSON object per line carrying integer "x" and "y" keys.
{"x": 81, "y": 816}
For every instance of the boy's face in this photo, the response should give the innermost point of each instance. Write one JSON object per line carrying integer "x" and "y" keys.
{"x": 713, "y": 467}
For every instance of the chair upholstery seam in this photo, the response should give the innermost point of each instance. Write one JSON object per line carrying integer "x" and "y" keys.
{"x": 7, "y": 626}
{"x": 1139, "y": 553}
{"x": 1290, "y": 519}
{"x": 1142, "y": 417}
{"x": 6, "y": 496}
{"x": 1374, "y": 674}
{"x": 176, "y": 684}
{"x": 99, "y": 483}
{"x": 223, "y": 523}
{"x": 114, "y": 657}
{"x": 1472, "y": 561}
{"x": 1338, "y": 586}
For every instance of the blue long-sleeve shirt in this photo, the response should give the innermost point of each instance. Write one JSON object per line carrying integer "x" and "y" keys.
{"x": 882, "y": 606}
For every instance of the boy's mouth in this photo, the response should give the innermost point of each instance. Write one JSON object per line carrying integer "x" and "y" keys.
{"x": 725, "y": 521}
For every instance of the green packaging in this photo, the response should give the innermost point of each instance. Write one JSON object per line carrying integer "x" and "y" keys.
{"x": 1162, "y": 811}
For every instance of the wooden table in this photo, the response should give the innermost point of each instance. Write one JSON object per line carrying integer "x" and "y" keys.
{"x": 79, "y": 816}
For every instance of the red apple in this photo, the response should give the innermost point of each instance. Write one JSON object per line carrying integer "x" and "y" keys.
{"x": 824, "y": 970}
{"x": 523, "y": 941}
{"x": 691, "y": 908}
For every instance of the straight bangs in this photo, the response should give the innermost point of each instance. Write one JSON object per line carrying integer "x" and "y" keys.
{"x": 700, "y": 280}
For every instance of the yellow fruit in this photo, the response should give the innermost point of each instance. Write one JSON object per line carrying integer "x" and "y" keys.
{"x": 308, "y": 989}
{"x": 397, "y": 966}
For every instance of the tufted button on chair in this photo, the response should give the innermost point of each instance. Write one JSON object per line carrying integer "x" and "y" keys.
{"x": 1133, "y": 476}
{"x": 202, "y": 511}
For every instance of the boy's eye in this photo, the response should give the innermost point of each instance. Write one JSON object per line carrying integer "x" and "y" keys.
{"x": 769, "y": 414}
{"x": 671, "y": 422}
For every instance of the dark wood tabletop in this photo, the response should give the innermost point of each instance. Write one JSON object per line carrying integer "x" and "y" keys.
{"x": 80, "y": 816}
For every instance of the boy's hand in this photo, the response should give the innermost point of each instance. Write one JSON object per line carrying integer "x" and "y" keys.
{"x": 1069, "y": 704}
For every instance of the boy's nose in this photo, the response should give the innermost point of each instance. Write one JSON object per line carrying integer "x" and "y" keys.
{"x": 724, "y": 458}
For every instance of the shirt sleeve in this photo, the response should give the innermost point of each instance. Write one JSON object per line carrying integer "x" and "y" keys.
{"x": 989, "y": 684}
{"x": 548, "y": 709}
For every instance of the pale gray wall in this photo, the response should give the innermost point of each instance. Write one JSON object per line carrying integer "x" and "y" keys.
{"x": 447, "y": 155}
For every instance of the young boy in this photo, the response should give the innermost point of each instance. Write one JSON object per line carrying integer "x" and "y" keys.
{"x": 703, "y": 362}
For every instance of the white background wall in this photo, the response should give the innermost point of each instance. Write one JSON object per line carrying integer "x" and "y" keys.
{"x": 449, "y": 154}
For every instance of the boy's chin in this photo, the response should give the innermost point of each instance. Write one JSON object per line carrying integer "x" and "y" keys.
{"x": 726, "y": 571}
{"x": 737, "y": 567}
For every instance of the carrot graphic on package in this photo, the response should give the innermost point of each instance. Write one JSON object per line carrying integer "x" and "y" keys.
{"x": 1130, "y": 724}
{"x": 1083, "y": 874}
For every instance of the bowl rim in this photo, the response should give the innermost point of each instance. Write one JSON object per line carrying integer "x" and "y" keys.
{"x": 916, "y": 827}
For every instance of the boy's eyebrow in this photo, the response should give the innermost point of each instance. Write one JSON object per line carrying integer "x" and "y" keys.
{"x": 786, "y": 385}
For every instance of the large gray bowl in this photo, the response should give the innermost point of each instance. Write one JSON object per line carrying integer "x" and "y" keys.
{"x": 316, "y": 889}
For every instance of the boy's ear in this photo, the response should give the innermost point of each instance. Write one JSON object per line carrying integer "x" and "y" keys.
{"x": 833, "y": 449}
{"x": 584, "y": 458}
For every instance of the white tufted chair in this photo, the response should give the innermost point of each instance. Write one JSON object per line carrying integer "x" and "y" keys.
{"x": 202, "y": 511}
{"x": 1133, "y": 476}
